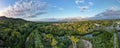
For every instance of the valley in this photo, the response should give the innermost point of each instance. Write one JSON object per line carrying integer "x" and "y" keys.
{"x": 17, "y": 33}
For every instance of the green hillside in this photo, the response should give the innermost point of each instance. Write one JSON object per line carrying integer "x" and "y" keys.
{"x": 18, "y": 33}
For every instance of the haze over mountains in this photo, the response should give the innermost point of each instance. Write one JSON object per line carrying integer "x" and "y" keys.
{"x": 108, "y": 14}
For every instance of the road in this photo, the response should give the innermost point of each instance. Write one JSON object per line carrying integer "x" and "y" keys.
{"x": 119, "y": 38}
{"x": 88, "y": 44}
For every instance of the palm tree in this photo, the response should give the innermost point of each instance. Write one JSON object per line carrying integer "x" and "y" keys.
{"x": 74, "y": 40}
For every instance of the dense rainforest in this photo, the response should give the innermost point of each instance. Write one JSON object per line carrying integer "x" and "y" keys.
{"x": 18, "y": 33}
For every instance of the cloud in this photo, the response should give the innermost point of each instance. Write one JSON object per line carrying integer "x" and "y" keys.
{"x": 58, "y": 8}
{"x": 85, "y": 5}
{"x": 113, "y": 8}
{"x": 26, "y": 8}
{"x": 90, "y": 3}
{"x": 84, "y": 8}
{"x": 111, "y": 13}
{"x": 79, "y": 1}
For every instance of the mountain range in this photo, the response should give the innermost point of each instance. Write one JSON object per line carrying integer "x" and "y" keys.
{"x": 108, "y": 14}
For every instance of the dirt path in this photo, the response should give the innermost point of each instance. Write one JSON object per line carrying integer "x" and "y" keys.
{"x": 88, "y": 44}
{"x": 119, "y": 38}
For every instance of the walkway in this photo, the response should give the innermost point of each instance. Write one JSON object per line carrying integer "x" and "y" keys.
{"x": 88, "y": 44}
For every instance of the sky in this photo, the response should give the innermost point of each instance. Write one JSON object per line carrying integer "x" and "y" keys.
{"x": 43, "y": 9}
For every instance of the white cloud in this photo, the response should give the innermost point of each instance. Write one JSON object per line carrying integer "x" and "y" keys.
{"x": 110, "y": 13}
{"x": 85, "y": 5}
{"x": 113, "y": 8}
{"x": 90, "y": 3}
{"x": 25, "y": 8}
{"x": 58, "y": 8}
{"x": 79, "y": 1}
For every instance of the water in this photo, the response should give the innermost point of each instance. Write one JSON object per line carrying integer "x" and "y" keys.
{"x": 119, "y": 38}
{"x": 119, "y": 35}
{"x": 89, "y": 35}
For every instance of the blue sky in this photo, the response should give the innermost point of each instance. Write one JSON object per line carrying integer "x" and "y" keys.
{"x": 55, "y": 8}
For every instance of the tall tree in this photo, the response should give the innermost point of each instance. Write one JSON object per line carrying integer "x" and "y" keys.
{"x": 74, "y": 40}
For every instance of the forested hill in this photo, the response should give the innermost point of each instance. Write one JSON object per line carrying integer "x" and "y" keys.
{"x": 12, "y": 30}
{"x": 3, "y": 18}
{"x": 18, "y": 33}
